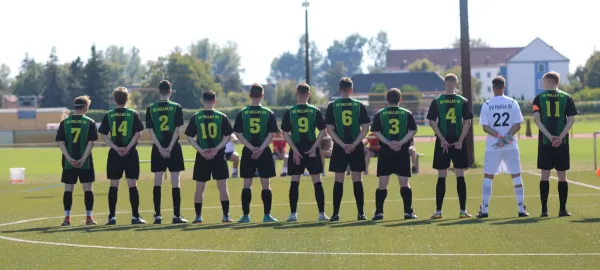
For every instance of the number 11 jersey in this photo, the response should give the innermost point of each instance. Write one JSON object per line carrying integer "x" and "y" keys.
{"x": 500, "y": 113}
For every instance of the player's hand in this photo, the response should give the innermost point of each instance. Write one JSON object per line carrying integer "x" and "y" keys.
{"x": 556, "y": 141}
{"x": 350, "y": 148}
{"x": 164, "y": 153}
{"x": 445, "y": 145}
{"x": 297, "y": 158}
{"x": 458, "y": 145}
{"x": 257, "y": 153}
{"x": 211, "y": 153}
{"x": 73, "y": 162}
{"x": 312, "y": 152}
{"x": 79, "y": 163}
{"x": 122, "y": 151}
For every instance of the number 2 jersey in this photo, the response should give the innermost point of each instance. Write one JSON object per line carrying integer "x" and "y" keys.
{"x": 500, "y": 113}
{"x": 163, "y": 117}
{"x": 302, "y": 122}
{"x": 451, "y": 110}
{"x": 120, "y": 125}
{"x": 554, "y": 106}
{"x": 77, "y": 131}
{"x": 346, "y": 115}
{"x": 209, "y": 127}
{"x": 255, "y": 122}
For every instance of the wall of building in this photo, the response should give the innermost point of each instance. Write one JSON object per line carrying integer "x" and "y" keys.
{"x": 562, "y": 68}
{"x": 485, "y": 75}
{"x": 521, "y": 80}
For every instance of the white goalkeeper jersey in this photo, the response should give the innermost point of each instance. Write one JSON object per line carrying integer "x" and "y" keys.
{"x": 500, "y": 113}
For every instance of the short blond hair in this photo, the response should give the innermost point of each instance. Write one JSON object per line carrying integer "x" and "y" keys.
{"x": 451, "y": 77}
{"x": 82, "y": 102}
{"x": 121, "y": 95}
{"x": 552, "y": 75}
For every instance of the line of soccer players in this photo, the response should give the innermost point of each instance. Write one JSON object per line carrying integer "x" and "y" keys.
{"x": 303, "y": 128}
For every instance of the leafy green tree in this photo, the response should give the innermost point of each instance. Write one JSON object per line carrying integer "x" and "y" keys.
{"x": 4, "y": 79}
{"x": 225, "y": 61}
{"x": 54, "y": 94}
{"x": 155, "y": 72}
{"x": 286, "y": 93}
{"x": 134, "y": 70}
{"x": 333, "y": 75}
{"x": 473, "y": 43}
{"x": 379, "y": 88}
{"x": 95, "y": 83}
{"x": 592, "y": 71}
{"x": 289, "y": 66}
{"x": 587, "y": 94}
{"x": 286, "y": 67}
{"x": 349, "y": 51}
{"x": 410, "y": 92}
{"x": 190, "y": 77}
{"x": 422, "y": 65}
{"x": 378, "y": 48}
{"x": 30, "y": 80}
{"x": 75, "y": 79}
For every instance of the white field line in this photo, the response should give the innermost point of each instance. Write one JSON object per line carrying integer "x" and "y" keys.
{"x": 570, "y": 181}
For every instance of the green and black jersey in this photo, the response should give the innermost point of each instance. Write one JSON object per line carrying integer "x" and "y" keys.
{"x": 554, "y": 106}
{"x": 255, "y": 122}
{"x": 76, "y": 131}
{"x": 450, "y": 110}
{"x": 346, "y": 115}
{"x": 121, "y": 124}
{"x": 209, "y": 127}
{"x": 393, "y": 123}
{"x": 302, "y": 122}
{"x": 163, "y": 117}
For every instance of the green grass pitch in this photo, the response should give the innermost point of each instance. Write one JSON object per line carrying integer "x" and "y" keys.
{"x": 500, "y": 242}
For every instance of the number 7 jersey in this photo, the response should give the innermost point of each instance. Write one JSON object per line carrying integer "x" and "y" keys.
{"x": 500, "y": 113}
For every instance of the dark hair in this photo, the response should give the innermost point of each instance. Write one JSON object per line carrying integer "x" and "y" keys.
{"x": 209, "y": 95}
{"x": 303, "y": 88}
{"x": 164, "y": 87}
{"x": 256, "y": 90}
{"x": 393, "y": 95}
{"x": 451, "y": 77}
{"x": 345, "y": 83}
{"x": 552, "y": 75}
{"x": 82, "y": 102}
{"x": 121, "y": 95}
{"x": 498, "y": 82}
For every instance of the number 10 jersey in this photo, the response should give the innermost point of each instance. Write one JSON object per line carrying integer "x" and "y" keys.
{"x": 500, "y": 113}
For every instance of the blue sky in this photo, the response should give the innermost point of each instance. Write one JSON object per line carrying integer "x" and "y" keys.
{"x": 265, "y": 28}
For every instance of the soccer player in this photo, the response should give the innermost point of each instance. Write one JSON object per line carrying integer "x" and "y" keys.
{"x": 255, "y": 126}
{"x": 121, "y": 129}
{"x": 554, "y": 113}
{"x": 347, "y": 123}
{"x": 279, "y": 152}
{"x": 76, "y": 135}
{"x": 299, "y": 127}
{"x": 232, "y": 155}
{"x": 395, "y": 127}
{"x": 164, "y": 118}
{"x": 325, "y": 147}
{"x": 501, "y": 118}
{"x": 212, "y": 131}
{"x": 450, "y": 118}
{"x": 372, "y": 151}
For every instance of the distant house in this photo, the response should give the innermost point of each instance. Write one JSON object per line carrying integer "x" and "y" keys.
{"x": 424, "y": 81}
{"x": 524, "y": 71}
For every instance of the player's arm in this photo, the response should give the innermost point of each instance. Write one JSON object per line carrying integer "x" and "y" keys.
{"x": 364, "y": 121}
{"x": 334, "y": 136}
{"x": 288, "y": 139}
{"x": 463, "y": 134}
{"x": 63, "y": 148}
{"x": 92, "y": 136}
{"x": 234, "y": 139}
{"x": 109, "y": 142}
{"x": 227, "y": 131}
{"x": 320, "y": 137}
{"x": 329, "y": 122}
{"x": 432, "y": 116}
{"x": 412, "y": 130}
{"x": 178, "y": 124}
{"x": 150, "y": 127}
{"x": 538, "y": 122}
{"x": 244, "y": 141}
{"x": 272, "y": 128}
{"x": 104, "y": 130}
{"x": 436, "y": 129}
{"x": 88, "y": 151}
{"x": 138, "y": 127}
{"x": 570, "y": 112}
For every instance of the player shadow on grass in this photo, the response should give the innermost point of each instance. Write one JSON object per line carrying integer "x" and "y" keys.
{"x": 403, "y": 222}
{"x": 352, "y": 224}
{"x": 300, "y": 225}
{"x": 587, "y": 220}
{"x": 38, "y": 230}
{"x": 519, "y": 221}
{"x": 256, "y": 226}
{"x": 162, "y": 227}
{"x": 195, "y": 227}
{"x": 39, "y": 197}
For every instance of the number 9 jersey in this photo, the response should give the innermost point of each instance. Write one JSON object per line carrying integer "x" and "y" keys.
{"x": 500, "y": 113}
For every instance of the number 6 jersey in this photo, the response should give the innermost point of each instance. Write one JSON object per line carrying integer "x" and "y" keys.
{"x": 346, "y": 115}
{"x": 451, "y": 110}
{"x": 500, "y": 113}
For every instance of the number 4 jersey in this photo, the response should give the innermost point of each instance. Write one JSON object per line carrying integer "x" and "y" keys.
{"x": 500, "y": 113}
{"x": 451, "y": 110}
{"x": 120, "y": 125}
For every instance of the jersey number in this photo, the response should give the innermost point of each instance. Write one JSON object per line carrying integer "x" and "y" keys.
{"x": 498, "y": 117}
{"x": 212, "y": 130}
{"x": 122, "y": 128}
{"x": 394, "y": 126}
{"x": 254, "y": 125}
{"x": 303, "y": 124}
{"x": 451, "y": 115}
{"x": 76, "y": 131}
{"x": 347, "y": 118}
{"x": 164, "y": 122}
{"x": 556, "y": 109}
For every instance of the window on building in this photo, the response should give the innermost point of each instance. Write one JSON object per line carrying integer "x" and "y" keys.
{"x": 477, "y": 75}
{"x": 489, "y": 74}
{"x": 541, "y": 68}
{"x": 489, "y": 89}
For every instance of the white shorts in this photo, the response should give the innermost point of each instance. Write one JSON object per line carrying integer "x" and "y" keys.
{"x": 502, "y": 161}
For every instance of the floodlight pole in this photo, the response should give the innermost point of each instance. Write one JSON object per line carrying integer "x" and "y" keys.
{"x": 466, "y": 72}
{"x": 306, "y": 42}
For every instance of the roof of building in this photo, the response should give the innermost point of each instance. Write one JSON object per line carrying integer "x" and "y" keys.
{"x": 447, "y": 58}
{"x": 424, "y": 81}
{"x": 541, "y": 50}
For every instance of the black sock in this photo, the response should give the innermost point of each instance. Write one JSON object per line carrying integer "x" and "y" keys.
{"x": 267, "y": 198}
{"x": 176, "y": 192}
{"x": 440, "y": 192}
{"x": 225, "y": 207}
{"x": 67, "y": 200}
{"x": 563, "y": 192}
{"x": 544, "y": 191}
{"x": 406, "y": 194}
{"x": 359, "y": 195}
{"x": 294, "y": 196}
{"x": 156, "y": 196}
{"x": 338, "y": 193}
{"x": 320, "y": 196}
{"x": 246, "y": 199}
{"x": 380, "y": 195}
{"x": 112, "y": 200}
{"x": 198, "y": 207}
{"x": 89, "y": 200}
{"x": 461, "y": 189}
{"x": 134, "y": 200}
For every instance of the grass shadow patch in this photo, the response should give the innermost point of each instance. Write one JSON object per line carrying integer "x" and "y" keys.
{"x": 299, "y": 225}
{"x": 587, "y": 220}
{"x": 257, "y": 225}
{"x": 198, "y": 227}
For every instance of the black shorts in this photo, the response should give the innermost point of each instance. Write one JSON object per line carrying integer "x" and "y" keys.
{"x": 228, "y": 155}
{"x": 174, "y": 163}
{"x": 441, "y": 160}
{"x": 216, "y": 167}
{"x": 557, "y": 158}
{"x": 85, "y": 176}
{"x": 117, "y": 165}
{"x": 264, "y": 164}
{"x": 390, "y": 162}
{"x": 340, "y": 160}
{"x": 314, "y": 165}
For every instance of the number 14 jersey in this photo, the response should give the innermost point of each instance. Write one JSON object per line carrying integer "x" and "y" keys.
{"x": 500, "y": 113}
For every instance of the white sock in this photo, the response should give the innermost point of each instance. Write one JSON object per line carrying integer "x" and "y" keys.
{"x": 486, "y": 193}
{"x": 519, "y": 193}
{"x": 88, "y": 213}
{"x": 234, "y": 170}
{"x": 284, "y": 169}
{"x": 67, "y": 213}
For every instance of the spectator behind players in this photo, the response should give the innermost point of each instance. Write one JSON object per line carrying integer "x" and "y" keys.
{"x": 372, "y": 150}
{"x": 326, "y": 147}
{"x": 232, "y": 155}
{"x": 279, "y": 152}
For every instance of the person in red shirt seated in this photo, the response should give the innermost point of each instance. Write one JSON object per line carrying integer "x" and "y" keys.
{"x": 372, "y": 150}
{"x": 279, "y": 151}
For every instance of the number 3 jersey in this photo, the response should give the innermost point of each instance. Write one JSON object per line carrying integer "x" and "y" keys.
{"x": 500, "y": 113}
{"x": 77, "y": 131}
{"x": 451, "y": 110}
{"x": 120, "y": 125}
{"x": 209, "y": 127}
{"x": 346, "y": 115}
{"x": 302, "y": 122}
{"x": 393, "y": 123}
{"x": 255, "y": 122}
{"x": 163, "y": 117}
